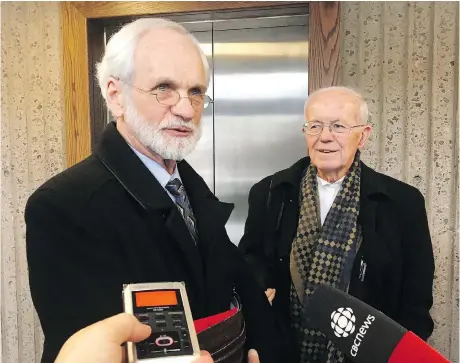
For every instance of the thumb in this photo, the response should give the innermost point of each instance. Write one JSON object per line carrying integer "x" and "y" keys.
{"x": 253, "y": 356}
{"x": 205, "y": 357}
{"x": 122, "y": 328}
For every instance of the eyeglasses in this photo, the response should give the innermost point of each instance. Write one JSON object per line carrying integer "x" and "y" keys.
{"x": 169, "y": 97}
{"x": 335, "y": 127}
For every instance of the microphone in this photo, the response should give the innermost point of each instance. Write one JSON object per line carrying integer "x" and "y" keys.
{"x": 363, "y": 333}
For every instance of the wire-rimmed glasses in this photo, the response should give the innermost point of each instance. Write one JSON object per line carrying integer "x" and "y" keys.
{"x": 335, "y": 127}
{"x": 170, "y": 97}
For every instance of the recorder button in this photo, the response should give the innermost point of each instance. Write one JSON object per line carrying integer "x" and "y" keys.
{"x": 143, "y": 318}
{"x": 164, "y": 341}
{"x": 161, "y": 323}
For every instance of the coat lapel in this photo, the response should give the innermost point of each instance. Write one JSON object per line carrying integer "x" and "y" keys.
{"x": 179, "y": 231}
{"x": 374, "y": 248}
{"x": 211, "y": 214}
{"x": 287, "y": 180}
{"x": 128, "y": 169}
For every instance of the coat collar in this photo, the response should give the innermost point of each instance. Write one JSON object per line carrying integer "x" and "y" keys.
{"x": 371, "y": 183}
{"x": 128, "y": 169}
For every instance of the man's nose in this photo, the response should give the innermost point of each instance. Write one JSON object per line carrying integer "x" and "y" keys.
{"x": 184, "y": 109}
{"x": 326, "y": 134}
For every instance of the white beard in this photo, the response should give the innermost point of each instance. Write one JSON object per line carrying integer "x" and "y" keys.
{"x": 151, "y": 136}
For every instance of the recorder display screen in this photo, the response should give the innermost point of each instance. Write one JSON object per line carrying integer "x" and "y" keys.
{"x": 156, "y": 298}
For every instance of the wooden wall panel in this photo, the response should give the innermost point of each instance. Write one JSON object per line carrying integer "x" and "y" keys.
{"x": 108, "y": 9}
{"x": 76, "y": 84}
{"x": 324, "y": 34}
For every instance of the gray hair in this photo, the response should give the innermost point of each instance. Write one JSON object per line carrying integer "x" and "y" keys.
{"x": 363, "y": 109}
{"x": 118, "y": 59}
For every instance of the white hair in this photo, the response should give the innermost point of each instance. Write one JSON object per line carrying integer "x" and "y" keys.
{"x": 363, "y": 109}
{"x": 118, "y": 59}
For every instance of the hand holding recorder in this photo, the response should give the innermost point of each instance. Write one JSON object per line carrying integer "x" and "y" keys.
{"x": 102, "y": 341}
{"x": 157, "y": 316}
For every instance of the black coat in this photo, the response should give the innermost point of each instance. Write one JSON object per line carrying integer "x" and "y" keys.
{"x": 396, "y": 246}
{"x": 106, "y": 222}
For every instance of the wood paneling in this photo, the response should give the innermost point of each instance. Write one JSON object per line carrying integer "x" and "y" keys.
{"x": 108, "y": 9}
{"x": 324, "y": 33}
{"x": 76, "y": 84}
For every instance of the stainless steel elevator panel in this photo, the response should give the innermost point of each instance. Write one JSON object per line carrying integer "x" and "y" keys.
{"x": 260, "y": 86}
{"x": 202, "y": 158}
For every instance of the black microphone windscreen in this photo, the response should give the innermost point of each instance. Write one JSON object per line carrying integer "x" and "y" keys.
{"x": 361, "y": 332}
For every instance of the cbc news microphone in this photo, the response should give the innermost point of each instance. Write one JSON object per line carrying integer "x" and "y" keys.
{"x": 364, "y": 334}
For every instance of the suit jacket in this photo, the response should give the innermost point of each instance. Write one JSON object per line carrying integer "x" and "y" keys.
{"x": 106, "y": 222}
{"x": 396, "y": 246}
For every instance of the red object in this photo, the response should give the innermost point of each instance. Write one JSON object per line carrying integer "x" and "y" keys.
{"x": 206, "y": 323}
{"x": 412, "y": 349}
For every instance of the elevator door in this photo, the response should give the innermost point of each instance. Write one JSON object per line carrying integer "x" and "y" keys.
{"x": 259, "y": 83}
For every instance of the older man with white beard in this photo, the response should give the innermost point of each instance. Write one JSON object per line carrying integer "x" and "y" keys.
{"x": 135, "y": 211}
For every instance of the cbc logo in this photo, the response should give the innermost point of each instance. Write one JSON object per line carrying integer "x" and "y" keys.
{"x": 343, "y": 322}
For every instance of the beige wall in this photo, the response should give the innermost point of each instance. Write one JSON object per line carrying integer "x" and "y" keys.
{"x": 32, "y": 149}
{"x": 404, "y": 58}
{"x": 390, "y": 51}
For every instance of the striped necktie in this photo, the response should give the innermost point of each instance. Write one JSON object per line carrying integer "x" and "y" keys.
{"x": 176, "y": 188}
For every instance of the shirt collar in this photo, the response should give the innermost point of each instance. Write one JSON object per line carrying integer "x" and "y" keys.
{"x": 157, "y": 170}
{"x": 323, "y": 182}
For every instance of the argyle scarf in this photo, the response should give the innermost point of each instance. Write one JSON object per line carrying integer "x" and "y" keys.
{"x": 323, "y": 255}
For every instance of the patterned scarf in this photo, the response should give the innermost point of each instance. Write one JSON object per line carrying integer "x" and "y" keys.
{"x": 323, "y": 255}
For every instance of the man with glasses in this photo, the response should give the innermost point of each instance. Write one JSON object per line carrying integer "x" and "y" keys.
{"x": 135, "y": 211}
{"x": 330, "y": 219}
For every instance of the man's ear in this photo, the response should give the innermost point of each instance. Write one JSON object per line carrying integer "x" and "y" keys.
{"x": 115, "y": 97}
{"x": 365, "y": 136}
